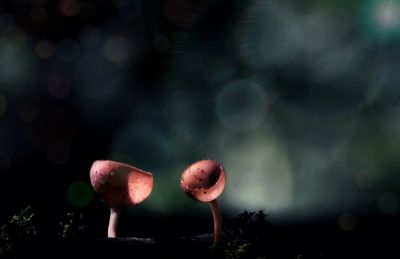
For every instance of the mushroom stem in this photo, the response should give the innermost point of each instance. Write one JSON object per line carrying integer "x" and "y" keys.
{"x": 112, "y": 225}
{"x": 217, "y": 221}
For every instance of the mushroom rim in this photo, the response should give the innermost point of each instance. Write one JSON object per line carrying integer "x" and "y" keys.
{"x": 199, "y": 188}
{"x": 124, "y": 164}
{"x": 222, "y": 174}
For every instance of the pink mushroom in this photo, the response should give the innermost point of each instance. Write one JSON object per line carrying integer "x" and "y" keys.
{"x": 120, "y": 186}
{"x": 204, "y": 181}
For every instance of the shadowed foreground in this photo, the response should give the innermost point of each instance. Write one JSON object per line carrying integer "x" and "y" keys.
{"x": 249, "y": 235}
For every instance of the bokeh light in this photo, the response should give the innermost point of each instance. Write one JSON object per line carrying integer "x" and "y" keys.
{"x": 259, "y": 174}
{"x": 364, "y": 179}
{"x": 80, "y": 194}
{"x": 44, "y": 49}
{"x": 309, "y": 79}
{"x": 16, "y": 37}
{"x": 241, "y": 106}
{"x": 269, "y": 36}
{"x": 18, "y": 67}
{"x": 69, "y": 7}
{"x": 117, "y": 49}
{"x": 381, "y": 18}
{"x": 307, "y": 62}
{"x": 27, "y": 111}
{"x": 387, "y": 15}
{"x": 347, "y": 221}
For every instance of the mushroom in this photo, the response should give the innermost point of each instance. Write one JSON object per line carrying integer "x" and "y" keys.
{"x": 120, "y": 186}
{"x": 204, "y": 181}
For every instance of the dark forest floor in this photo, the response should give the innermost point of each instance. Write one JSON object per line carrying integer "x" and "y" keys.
{"x": 249, "y": 235}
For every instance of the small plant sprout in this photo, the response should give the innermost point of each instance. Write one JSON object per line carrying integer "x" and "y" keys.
{"x": 204, "y": 181}
{"x": 120, "y": 186}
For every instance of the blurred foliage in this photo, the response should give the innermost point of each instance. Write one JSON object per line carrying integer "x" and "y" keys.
{"x": 250, "y": 226}
{"x": 251, "y": 235}
{"x": 247, "y": 234}
{"x": 73, "y": 226}
{"x": 19, "y": 227}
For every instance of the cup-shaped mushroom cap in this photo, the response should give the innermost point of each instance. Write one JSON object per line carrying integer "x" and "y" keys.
{"x": 204, "y": 180}
{"x": 120, "y": 185}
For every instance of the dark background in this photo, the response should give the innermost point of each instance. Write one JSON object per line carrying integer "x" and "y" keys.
{"x": 299, "y": 100}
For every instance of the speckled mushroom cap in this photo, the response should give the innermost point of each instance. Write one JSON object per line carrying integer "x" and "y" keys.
{"x": 204, "y": 180}
{"x": 120, "y": 185}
